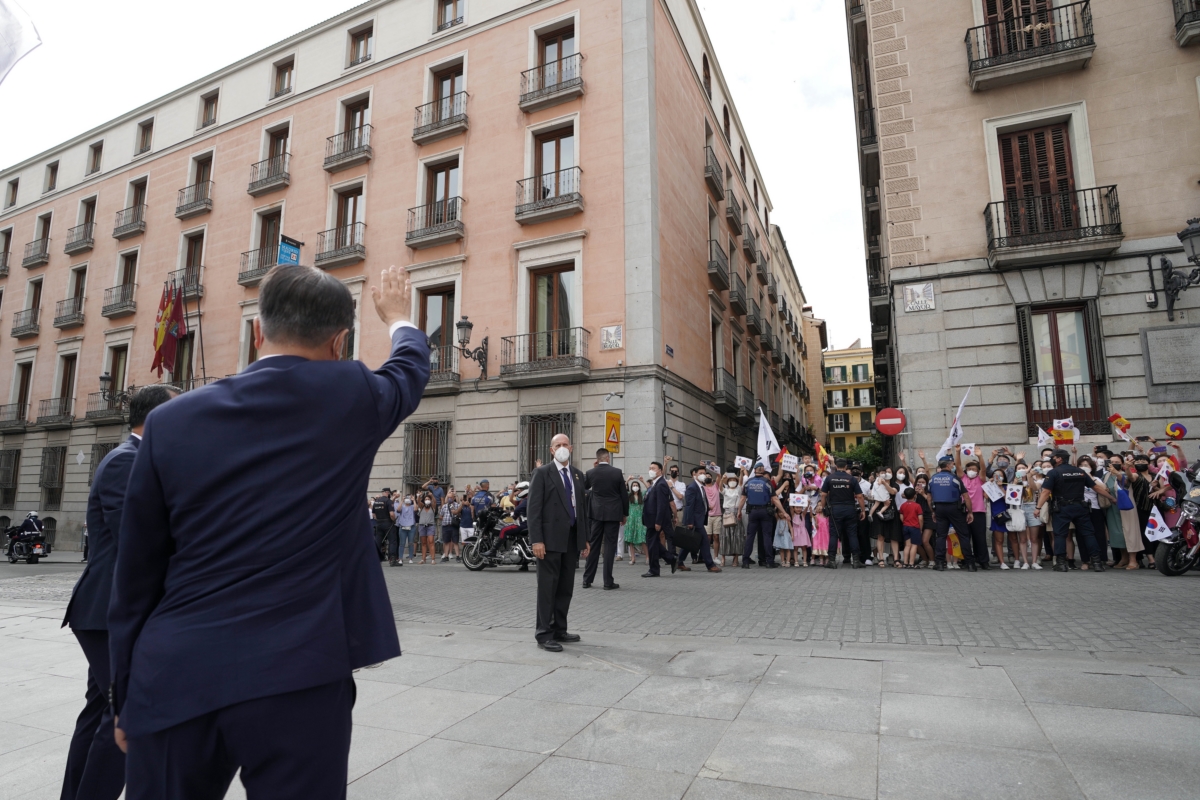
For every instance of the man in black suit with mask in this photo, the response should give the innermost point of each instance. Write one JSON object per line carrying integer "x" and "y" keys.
{"x": 608, "y": 508}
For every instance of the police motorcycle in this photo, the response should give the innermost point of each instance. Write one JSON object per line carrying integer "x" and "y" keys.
{"x": 500, "y": 542}
{"x": 1180, "y": 551}
{"x": 29, "y": 545}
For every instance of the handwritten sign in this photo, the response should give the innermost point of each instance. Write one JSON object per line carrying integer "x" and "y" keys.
{"x": 789, "y": 463}
{"x": 993, "y": 491}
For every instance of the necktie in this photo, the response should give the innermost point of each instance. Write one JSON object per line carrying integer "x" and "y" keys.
{"x": 566, "y": 476}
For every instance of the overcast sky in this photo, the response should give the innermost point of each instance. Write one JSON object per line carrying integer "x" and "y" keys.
{"x": 787, "y": 63}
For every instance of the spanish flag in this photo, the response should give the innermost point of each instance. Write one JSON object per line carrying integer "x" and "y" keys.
{"x": 1120, "y": 423}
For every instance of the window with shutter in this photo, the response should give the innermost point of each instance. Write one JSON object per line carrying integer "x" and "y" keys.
{"x": 54, "y": 466}
{"x": 426, "y": 452}
{"x": 10, "y": 467}
{"x": 1039, "y": 181}
{"x": 1025, "y": 344}
{"x": 99, "y": 451}
{"x": 1091, "y": 316}
{"x": 1018, "y": 25}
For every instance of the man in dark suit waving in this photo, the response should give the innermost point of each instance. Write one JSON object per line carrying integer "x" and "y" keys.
{"x": 659, "y": 516}
{"x": 558, "y": 521}
{"x": 95, "y": 765}
{"x": 608, "y": 508}
{"x": 229, "y": 650}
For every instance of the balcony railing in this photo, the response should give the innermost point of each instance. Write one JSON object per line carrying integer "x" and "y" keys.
{"x": 866, "y": 129}
{"x": 765, "y": 338}
{"x": 56, "y": 411}
{"x": 548, "y": 196}
{"x": 714, "y": 176}
{"x": 725, "y": 395}
{"x": 774, "y": 416}
{"x": 13, "y": 416}
{"x": 119, "y": 301}
{"x": 749, "y": 245}
{"x": 130, "y": 222}
{"x": 776, "y": 352}
{"x": 37, "y": 253}
{"x": 188, "y": 384}
{"x": 747, "y": 409}
{"x": 440, "y": 118}
{"x": 4, "y": 264}
{"x": 737, "y": 294}
{"x": 267, "y": 176}
{"x": 341, "y": 246}
{"x": 435, "y": 223}
{"x": 1082, "y": 402}
{"x": 348, "y": 148}
{"x": 871, "y": 194}
{"x": 856, "y": 9}
{"x": 733, "y": 212}
{"x": 1187, "y": 21}
{"x": 257, "y": 263}
{"x": 190, "y": 279}
{"x": 81, "y": 238}
{"x": 552, "y": 83}
{"x": 754, "y": 322}
{"x": 450, "y": 23}
{"x": 762, "y": 271}
{"x": 877, "y": 287}
{"x": 1029, "y": 36}
{"x": 193, "y": 200}
{"x": 1071, "y": 216}
{"x": 25, "y": 323}
{"x": 772, "y": 288}
{"x": 718, "y": 265}
{"x": 443, "y": 368}
{"x": 68, "y": 313}
{"x": 544, "y": 351}
{"x": 112, "y": 407}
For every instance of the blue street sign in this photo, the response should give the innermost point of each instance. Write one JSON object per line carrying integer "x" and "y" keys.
{"x": 289, "y": 251}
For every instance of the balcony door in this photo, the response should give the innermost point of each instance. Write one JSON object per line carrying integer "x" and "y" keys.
{"x": 89, "y": 211}
{"x": 437, "y": 321}
{"x": 182, "y": 373}
{"x": 118, "y": 362}
{"x": 1062, "y": 360}
{"x": 1018, "y": 25}
{"x": 357, "y": 115}
{"x": 554, "y": 57}
{"x": 268, "y": 235}
{"x": 66, "y": 383}
{"x": 349, "y": 213}
{"x": 24, "y": 385}
{"x": 446, "y": 85}
{"x": 203, "y": 171}
{"x": 35, "y": 295}
{"x": 555, "y": 154}
{"x": 1039, "y": 181}
{"x": 551, "y": 312}
{"x": 137, "y": 196}
{"x": 442, "y": 186}
{"x": 194, "y": 259}
{"x": 128, "y": 269}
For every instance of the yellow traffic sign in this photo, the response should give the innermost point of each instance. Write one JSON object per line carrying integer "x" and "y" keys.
{"x": 612, "y": 431}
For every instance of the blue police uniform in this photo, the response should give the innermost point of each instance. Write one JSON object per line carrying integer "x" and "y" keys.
{"x": 842, "y": 492}
{"x": 758, "y": 494}
{"x": 480, "y": 501}
{"x": 1066, "y": 483}
{"x": 947, "y": 490}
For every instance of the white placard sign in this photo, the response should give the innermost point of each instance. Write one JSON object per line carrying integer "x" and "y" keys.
{"x": 993, "y": 491}
{"x": 742, "y": 462}
{"x": 789, "y": 463}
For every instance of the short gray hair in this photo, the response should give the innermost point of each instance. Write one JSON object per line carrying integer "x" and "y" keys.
{"x": 303, "y": 305}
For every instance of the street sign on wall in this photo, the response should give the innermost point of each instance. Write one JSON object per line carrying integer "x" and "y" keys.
{"x": 890, "y": 421}
{"x": 289, "y": 251}
{"x": 612, "y": 431}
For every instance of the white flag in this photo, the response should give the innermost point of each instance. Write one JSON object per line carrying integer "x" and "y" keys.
{"x": 1157, "y": 528}
{"x": 956, "y": 431}
{"x": 1164, "y": 472}
{"x": 17, "y": 36}
{"x": 768, "y": 445}
{"x": 1044, "y": 439}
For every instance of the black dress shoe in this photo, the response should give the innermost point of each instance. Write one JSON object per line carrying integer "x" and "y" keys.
{"x": 649, "y": 574}
{"x": 552, "y": 646}
{"x": 587, "y": 585}
{"x": 673, "y": 563}
{"x": 612, "y": 586}
{"x": 566, "y": 637}
{"x": 972, "y": 566}
{"x": 745, "y": 566}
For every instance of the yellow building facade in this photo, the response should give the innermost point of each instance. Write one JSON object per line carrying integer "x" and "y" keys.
{"x": 849, "y": 397}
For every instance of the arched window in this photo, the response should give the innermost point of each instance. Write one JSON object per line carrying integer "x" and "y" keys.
{"x": 707, "y": 77}
{"x": 742, "y": 161}
{"x": 725, "y": 119}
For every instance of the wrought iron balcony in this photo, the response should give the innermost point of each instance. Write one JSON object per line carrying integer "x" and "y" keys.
{"x": 188, "y": 384}
{"x": 550, "y": 196}
{"x": 1081, "y": 224}
{"x": 348, "y": 148}
{"x": 80, "y": 239}
{"x": 879, "y": 331}
{"x": 718, "y": 265}
{"x": 119, "y": 301}
{"x": 866, "y": 128}
{"x": 749, "y": 245}
{"x": 448, "y": 24}
{"x": 37, "y": 253}
{"x": 714, "y": 176}
{"x": 340, "y": 247}
{"x": 190, "y": 279}
{"x": 877, "y": 287}
{"x": 13, "y": 416}
{"x": 747, "y": 410}
{"x": 774, "y": 417}
{"x": 267, "y": 176}
{"x": 871, "y": 194}
{"x": 545, "y": 357}
{"x": 1082, "y": 402}
{"x": 435, "y": 223}
{"x": 443, "y": 370}
{"x": 553, "y": 83}
{"x": 856, "y": 10}
{"x": 25, "y": 323}
{"x": 130, "y": 222}
{"x": 4, "y": 264}
{"x": 1017, "y": 48}
{"x": 441, "y": 118}
{"x": 1187, "y": 22}
{"x": 737, "y": 294}
{"x": 56, "y": 412}
{"x": 765, "y": 339}
{"x": 776, "y": 352}
{"x": 255, "y": 264}
{"x": 111, "y": 409}
{"x": 754, "y": 321}
{"x": 761, "y": 270}
{"x": 68, "y": 313}
{"x": 194, "y": 200}
{"x": 772, "y": 288}
{"x": 725, "y": 395}
{"x": 733, "y": 212}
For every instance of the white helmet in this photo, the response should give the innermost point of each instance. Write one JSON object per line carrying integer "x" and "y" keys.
{"x": 522, "y": 490}
{"x": 31, "y": 514}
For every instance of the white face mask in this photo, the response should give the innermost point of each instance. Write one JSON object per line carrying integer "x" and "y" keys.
{"x": 562, "y": 455}
{"x": 972, "y": 473}
{"x": 732, "y": 484}
{"x": 900, "y": 476}
{"x": 887, "y": 476}
{"x": 653, "y": 474}
{"x": 428, "y": 502}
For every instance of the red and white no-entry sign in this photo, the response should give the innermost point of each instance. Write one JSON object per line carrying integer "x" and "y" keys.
{"x": 890, "y": 421}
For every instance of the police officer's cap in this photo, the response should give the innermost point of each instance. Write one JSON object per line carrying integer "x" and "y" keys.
{"x": 945, "y": 460}
{"x": 1063, "y": 454}
{"x": 840, "y": 463}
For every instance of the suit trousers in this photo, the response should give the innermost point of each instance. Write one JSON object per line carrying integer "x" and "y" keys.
{"x": 95, "y": 765}
{"x": 287, "y": 746}
{"x": 979, "y": 538}
{"x": 844, "y": 526}
{"x": 603, "y": 533}
{"x": 555, "y": 587}
{"x": 655, "y": 552}
{"x": 705, "y": 548}
{"x": 952, "y": 514}
{"x": 1080, "y": 515}
{"x": 762, "y": 523}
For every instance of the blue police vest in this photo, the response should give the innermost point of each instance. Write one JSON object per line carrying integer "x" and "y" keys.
{"x": 480, "y": 502}
{"x": 758, "y": 492}
{"x": 945, "y": 487}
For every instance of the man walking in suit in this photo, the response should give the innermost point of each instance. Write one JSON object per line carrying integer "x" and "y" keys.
{"x": 228, "y": 651}
{"x": 558, "y": 519}
{"x": 659, "y": 517}
{"x": 95, "y": 765}
{"x": 695, "y": 517}
{"x": 609, "y": 507}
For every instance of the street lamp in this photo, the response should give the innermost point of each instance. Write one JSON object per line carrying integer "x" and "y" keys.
{"x": 1176, "y": 281}
{"x": 479, "y": 354}
{"x": 119, "y": 397}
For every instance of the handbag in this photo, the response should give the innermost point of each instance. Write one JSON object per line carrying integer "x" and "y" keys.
{"x": 1044, "y": 514}
{"x": 1124, "y": 503}
{"x": 1016, "y": 521}
{"x": 887, "y": 514}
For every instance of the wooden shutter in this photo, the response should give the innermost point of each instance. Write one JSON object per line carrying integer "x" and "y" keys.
{"x": 1025, "y": 344}
{"x": 1095, "y": 342}
{"x": 1039, "y": 181}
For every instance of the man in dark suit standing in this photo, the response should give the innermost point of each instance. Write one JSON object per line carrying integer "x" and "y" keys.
{"x": 558, "y": 519}
{"x": 95, "y": 765}
{"x": 229, "y": 651}
{"x": 659, "y": 517}
{"x": 695, "y": 517}
{"x": 608, "y": 508}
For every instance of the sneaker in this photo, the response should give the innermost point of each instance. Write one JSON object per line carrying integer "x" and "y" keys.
{"x": 1004, "y": 565}
{"x": 1035, "y": 565}
{"x": 869, "y": 563}
{"x": 1026, "y": 566}
{"x": 445, "y": 559}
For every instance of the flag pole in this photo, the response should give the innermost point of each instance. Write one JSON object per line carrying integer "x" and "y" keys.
{"x": 200, "y": 326}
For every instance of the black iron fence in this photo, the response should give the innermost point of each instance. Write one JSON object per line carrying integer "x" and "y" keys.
{"x": 1059, "y": 217}
{"x": 68, "y": 312}
{"x": 564, "y": 348}
{"x": 1042, "y": 32}
{"x": 26, "y": 322}
{"x": 435, "y": 217}
{"x": 440, "y": 113}
{"x": 443, "y": 364}
{"x": 718, "y": 264}
{"x": 337, "y": 242}
{"x": 55, "y": 409}
{"x": 130, "y": 219}
{"x": 257, "y": 263}
{"x": 269, "y": 172}
{"x": 81, "y": 237}
{"x": 348, "y": 144}
{"x": 190, "y": 279}
{"x": 1186, "y": 12}
{"x": 194, "y": 197}
{"x": 549, "y": 189}
{"x": 110, "y": 406}
{"x": 1082, "y": 402}
{"x": 119, "y": 298}
{"x": 554, "y": 77}
{"x": 36, "y": 252}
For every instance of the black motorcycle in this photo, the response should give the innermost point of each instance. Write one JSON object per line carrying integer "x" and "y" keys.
{"x": 26, "y": 545}
{"x": 497, "y": 543}
{"x": 1180, "y": 551}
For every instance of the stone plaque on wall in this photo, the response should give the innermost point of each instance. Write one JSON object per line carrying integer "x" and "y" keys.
{"x": 1172, "y": 359}
{"x": 918, "y": 297}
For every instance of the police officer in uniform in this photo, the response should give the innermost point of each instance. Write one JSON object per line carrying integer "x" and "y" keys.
{"x": 1065, "y": 483}
{"x": 384, "y": 513}
{"x": 949, "y": 495}
{"x": 758, "y": 497}
{"x": 847, "y": 508}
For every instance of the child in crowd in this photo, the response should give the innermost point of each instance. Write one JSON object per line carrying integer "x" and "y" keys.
{"x": 800, "y": 537}
{"x": 820, "y": 548}
{"x": 783, "y": 539}
{"x": 910, "y": 518}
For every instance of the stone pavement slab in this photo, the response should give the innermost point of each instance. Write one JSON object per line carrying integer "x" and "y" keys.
{"x": 690, "y": 697}
{"x": 534, "y": 726}
{"x": 558, "y": 777}
{"x": 994, "y": 723}
{"x": 648, "y": 741}
{"x": 911, "y": 769}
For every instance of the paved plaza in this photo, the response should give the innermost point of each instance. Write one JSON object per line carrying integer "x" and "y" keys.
{"x": 750, "y": 685}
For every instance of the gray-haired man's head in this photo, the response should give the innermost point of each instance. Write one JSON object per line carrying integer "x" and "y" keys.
{"x": 303, "y": 306}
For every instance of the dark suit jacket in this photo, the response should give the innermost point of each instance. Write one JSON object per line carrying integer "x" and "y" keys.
{"x": 245, "y": 565}
{"x": 549, "y": 513}
{"x": 658, "y": 509}
{"x": 608, "y": 492}
{"x": 695, "y": 506}
{"x": 88, "y": 609}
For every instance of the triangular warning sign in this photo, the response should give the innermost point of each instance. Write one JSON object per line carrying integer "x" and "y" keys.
{"x": 612, "y": 435}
